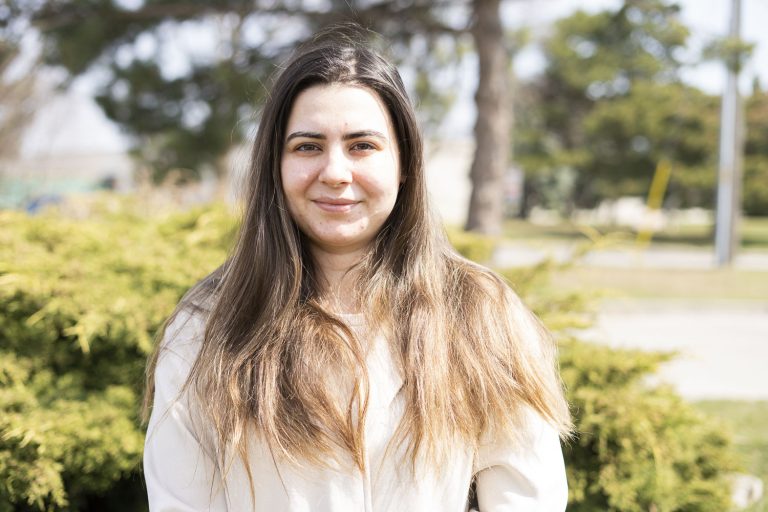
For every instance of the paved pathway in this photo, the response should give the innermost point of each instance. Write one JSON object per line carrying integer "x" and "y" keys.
{"x": 515, "y": 253}
{"x": 723, "y": 346}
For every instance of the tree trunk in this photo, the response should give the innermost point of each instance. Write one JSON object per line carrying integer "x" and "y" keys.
{"x": 492, "y": 128}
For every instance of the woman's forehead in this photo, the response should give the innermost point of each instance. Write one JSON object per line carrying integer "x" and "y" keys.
{"x": 339, "y": 108}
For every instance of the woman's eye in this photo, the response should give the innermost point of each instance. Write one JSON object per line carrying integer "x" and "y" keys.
{"x": 362, "y": 146}
{"x": 306, "y": 147}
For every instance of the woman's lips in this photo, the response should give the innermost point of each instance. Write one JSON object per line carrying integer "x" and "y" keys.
{"x": 335, "y": 205}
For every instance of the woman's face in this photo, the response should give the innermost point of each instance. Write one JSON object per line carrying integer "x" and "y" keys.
{"x": 340, "y": 166}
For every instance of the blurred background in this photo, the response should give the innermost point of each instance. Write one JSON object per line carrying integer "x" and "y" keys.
{"x": 609, "y": 157}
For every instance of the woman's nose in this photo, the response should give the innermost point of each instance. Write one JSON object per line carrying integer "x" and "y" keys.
{"x": 336, "y": 170}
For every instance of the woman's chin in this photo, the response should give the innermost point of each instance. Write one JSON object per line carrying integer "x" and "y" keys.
{"x": 340, "y": 242}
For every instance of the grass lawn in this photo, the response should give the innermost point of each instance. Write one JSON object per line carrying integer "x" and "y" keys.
{"x": 748, "y": 423}
{"x": 647, "y": 283}
{"x": 754, "y": 233}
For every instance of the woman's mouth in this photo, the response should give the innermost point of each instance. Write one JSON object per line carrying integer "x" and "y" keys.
{"x": 335, "y": 205}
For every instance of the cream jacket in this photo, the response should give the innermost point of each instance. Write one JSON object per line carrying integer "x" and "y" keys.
{"x": 182, "y": 477}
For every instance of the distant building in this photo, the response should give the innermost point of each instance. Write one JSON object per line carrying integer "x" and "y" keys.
{"x": 69, "y": 147}
{"x": 24, "y": 182}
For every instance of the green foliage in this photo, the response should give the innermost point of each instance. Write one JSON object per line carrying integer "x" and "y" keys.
{"x": 639, "y": 447}
{"x": 184, "y": 124}
{"x": 80, "y": 299}
{"x": 610, "y": 106}
{"x": 628, "y": 136}
{"x": 734, "y": 52}
{"x": 608, "y": 50}
{"x": 79, "y": 303}
{"x": 59, "y": 444}
{"x": 755, "y": 183}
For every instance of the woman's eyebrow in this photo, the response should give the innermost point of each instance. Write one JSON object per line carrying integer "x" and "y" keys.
{"x": 364, "y": 133}
{"x": 347, "y": 136}
{"x": 306, "y": 135}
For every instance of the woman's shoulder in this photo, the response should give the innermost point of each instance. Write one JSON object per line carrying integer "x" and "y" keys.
{"x": 185, "y": 328}
{"x": 183, "y": 334}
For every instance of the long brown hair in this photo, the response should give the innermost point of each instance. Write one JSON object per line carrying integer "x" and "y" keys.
{"x": 471, "y": 355}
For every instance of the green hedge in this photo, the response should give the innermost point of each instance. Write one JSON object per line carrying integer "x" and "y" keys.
{"x": 80, "y": 301}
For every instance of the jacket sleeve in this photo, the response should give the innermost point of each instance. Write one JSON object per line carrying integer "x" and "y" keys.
{"x": 522, "y": 477}
{"x": 180, "y": 472}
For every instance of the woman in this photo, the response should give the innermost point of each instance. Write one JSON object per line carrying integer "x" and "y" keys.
{"x": 345, "y": 358}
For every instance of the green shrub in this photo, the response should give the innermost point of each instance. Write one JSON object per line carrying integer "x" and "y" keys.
{"x": 638, "y": 447}
{"x": 81, "y": 299}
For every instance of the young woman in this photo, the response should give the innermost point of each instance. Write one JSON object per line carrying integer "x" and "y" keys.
{"x": 345, "y": 357}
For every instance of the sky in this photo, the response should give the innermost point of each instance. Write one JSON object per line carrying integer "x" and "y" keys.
{"x": 74, "y": 124}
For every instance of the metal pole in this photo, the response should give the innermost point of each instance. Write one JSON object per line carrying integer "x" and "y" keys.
{"x": 729, "y": 176}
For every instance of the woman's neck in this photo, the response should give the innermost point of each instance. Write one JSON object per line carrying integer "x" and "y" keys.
{"x": 338, "y": 279}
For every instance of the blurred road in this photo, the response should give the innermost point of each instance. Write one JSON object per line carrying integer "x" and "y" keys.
{"x": 513, "y": 254}
{"x": 722, "y": 346}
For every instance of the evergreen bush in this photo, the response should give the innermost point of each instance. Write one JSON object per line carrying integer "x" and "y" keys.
{"x": 80, "y": 301}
